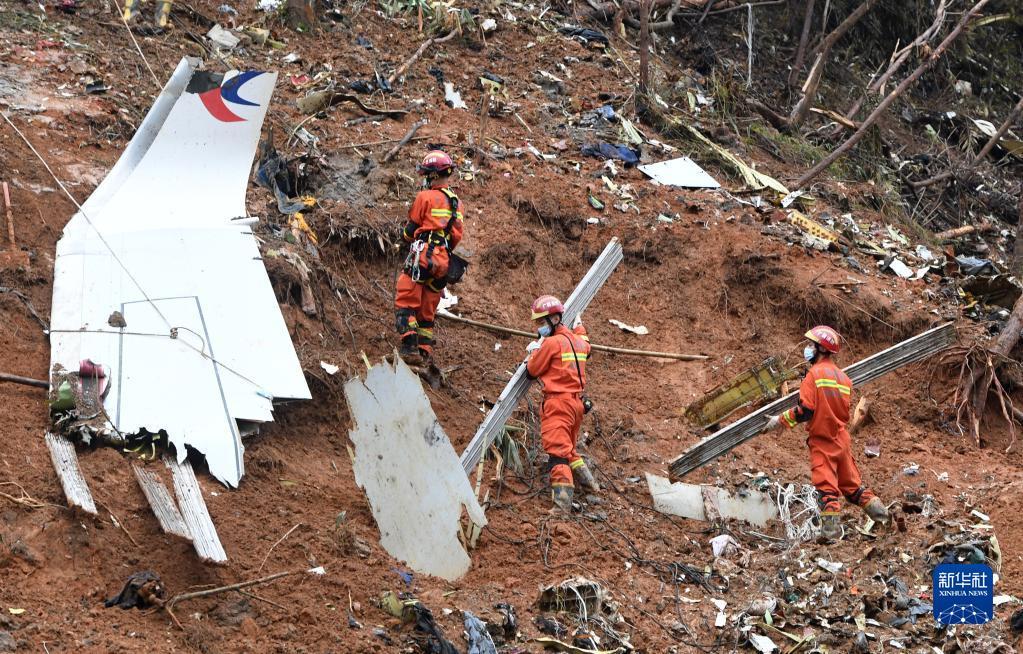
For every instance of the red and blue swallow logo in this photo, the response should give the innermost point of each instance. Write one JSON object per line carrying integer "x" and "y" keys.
{"x": 215, "y": 94}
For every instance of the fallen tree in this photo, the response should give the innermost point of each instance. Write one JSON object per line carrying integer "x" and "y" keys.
{"x": 926, "y": 65}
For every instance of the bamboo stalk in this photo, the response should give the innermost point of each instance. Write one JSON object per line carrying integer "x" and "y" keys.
{"x": 594, "y": 346}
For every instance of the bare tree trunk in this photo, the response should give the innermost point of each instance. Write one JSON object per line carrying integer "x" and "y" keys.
{"x": 644, "y": 57}
{"x": 1017, "y": 250}
{"x": 890, "y": 98}
{"x": 991, "y": 142}
{"x": 797, "y": 63}
{"x": 900, "y": 58}
{"x": 823, "y": 51}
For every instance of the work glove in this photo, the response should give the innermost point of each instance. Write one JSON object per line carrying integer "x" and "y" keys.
{"x": 533, "y": 345}
{"x": 773, "y": 423}
{"x": 578, "y": 321}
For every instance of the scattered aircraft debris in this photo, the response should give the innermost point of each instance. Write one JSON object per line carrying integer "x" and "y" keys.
{"x": 410, "y": 472}
{"x": 699, "y": 502}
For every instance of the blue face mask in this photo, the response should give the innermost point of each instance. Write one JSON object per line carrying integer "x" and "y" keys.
{"x": 809, "y": 352}
{"x": 544, "y": 330}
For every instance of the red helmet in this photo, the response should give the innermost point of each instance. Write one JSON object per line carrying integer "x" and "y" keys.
{"x": 436, "y": 161}
{"x": 826, "y": 337}
{"x": 546, "y": 305}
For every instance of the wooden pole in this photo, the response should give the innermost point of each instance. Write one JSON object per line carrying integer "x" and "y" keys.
{"x": 27, "y": 381}
{"x": 889, "y": 99}
{"x": 600, "y": 348}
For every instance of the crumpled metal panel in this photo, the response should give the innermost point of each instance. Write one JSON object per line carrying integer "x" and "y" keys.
{"x": 410, "y": 472}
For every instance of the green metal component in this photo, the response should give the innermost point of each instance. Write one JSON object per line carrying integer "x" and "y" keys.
{"x": 756, "y": 385}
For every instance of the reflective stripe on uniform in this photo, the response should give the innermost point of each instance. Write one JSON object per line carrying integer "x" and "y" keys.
{"x": 578, "y": 463}
{"x": 573, "y": 356}
{"x": 789, "y": 418}
{"x": 444, "y": 213}
{"x": 831, "y": 383}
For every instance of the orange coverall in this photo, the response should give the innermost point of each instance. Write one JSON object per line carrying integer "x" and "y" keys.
{"x": 417, "y": 301}
{"x": 824, "y": 398}
{"x": 561, "y": 415}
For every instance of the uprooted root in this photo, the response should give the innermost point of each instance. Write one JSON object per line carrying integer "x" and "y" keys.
{"x": 978, "y": 375}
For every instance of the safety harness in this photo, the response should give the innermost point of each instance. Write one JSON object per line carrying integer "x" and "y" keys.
{"x": 427, "y": 241}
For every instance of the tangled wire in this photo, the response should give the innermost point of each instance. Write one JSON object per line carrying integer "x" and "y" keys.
{"x": 799, "y": 511}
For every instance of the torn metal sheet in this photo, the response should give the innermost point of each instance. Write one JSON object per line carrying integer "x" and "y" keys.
{"x": 65, "y": 462}
{"x": 410, "y": 472}
{"x": 698, "y": 502}
{"x": 682, "y": 172}
{"x": 813, "y": 228}
{"x": 160, "y": 500}
{"x": 165, "y": 242}
{"x": 750, "y": 387}
{"x": 194, "y": 512}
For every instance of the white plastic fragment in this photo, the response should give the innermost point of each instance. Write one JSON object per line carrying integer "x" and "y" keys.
{"x": 453, "y": 97}
{"x": 638, "y": 329}
{"x": 489, "y": 25}
{"x": 831, "y": 566}
{"x": 983, "y": 516}
{"x": 318, "y": 570}
{"x": 329, "y": 368}
{"x": 223, "y": 38}
{"x": 900, "y": 269}
{"x": 682, "y": 172}
{"x": 723, "y": 545}
{"x": 719, "y": 620}
{"x": 762, "y": 644}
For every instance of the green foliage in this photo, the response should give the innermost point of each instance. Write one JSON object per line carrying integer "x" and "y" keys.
{"x": 439, "y": 16}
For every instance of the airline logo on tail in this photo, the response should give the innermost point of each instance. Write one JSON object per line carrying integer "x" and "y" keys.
{"x": 215, "y": 94}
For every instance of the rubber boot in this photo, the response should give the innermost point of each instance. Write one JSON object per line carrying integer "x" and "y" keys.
{"x": 410, "y": 349}
{"x": 584, "y": 477}
{"x": 831, "y": 527}
{"x": 876, "y": 510}
{"x": 562, "y": 497}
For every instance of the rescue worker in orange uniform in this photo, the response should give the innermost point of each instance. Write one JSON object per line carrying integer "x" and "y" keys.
{"x": 558, "y": 360}
{"x": 824, "y": 400}
{"x": 433, "y": 230}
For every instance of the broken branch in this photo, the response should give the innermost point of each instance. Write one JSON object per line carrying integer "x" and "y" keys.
{"x": 950, "y": 234}
{"x": 594, "y": 346}
{"x": 180, "y": 597}
{"x": 900, "y": 58}
{"x": 279, "y": 541}
{"x": 400, "y": 70}
{"x": 404, "y": 140}
{"x": 991, "y": 142}
{"x": 927, "y": 64}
